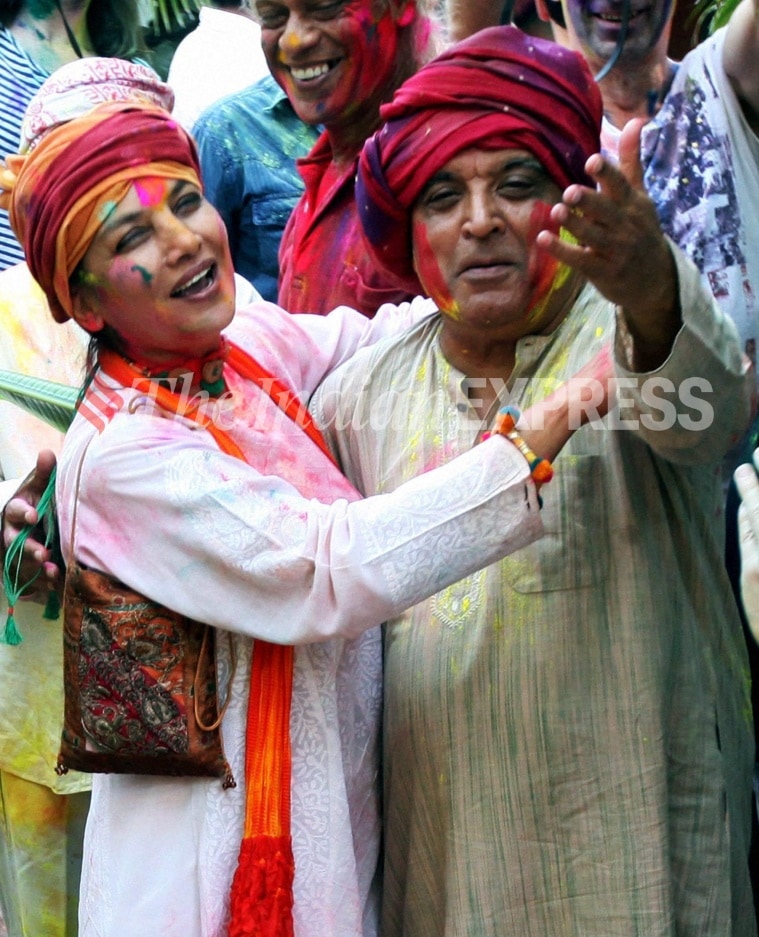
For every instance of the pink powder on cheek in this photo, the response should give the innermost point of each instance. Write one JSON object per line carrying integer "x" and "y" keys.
{"x": 542, "y": 267}
{"x": 429, "y": 272}
{"x": 126, "y": 272}
{"x": 372, "y": 51}
{"x": 152, "y": 191}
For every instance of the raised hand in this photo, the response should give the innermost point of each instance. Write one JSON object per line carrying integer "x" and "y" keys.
{"x": 621, "y": 248}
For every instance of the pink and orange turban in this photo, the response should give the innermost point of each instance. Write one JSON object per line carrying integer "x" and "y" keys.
{"x": 60, "y": 193}
{"x": 75, "y": 88}
{"x": 499, "y": 89}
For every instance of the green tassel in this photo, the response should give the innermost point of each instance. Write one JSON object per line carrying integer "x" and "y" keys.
{"x": 52, "y": 606}
{"x": 11, "y": 634}
{"x": 14, "y": 589}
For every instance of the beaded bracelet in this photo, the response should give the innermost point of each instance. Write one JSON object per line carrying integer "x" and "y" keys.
{"x": 505, "y": 424}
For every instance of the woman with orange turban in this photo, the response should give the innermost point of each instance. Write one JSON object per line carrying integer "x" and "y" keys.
{"x": 237, "y": 518}
{"x": 42, "y": 814}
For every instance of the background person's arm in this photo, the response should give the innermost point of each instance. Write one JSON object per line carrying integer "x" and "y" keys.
{"x": 741, "y": 57}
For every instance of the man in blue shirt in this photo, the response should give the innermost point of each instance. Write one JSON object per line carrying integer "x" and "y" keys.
{"x": 248, "y": 143}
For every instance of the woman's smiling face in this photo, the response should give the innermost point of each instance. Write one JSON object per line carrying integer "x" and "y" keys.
{"x": 159, "y": 273}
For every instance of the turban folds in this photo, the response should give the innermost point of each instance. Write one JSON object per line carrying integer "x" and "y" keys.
{"x": 64, "y": 188}
{"x": 75, "y": 88}
{"x": 499, "y": 89}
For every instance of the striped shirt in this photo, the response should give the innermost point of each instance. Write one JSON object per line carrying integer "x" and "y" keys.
{"x": 19, "y": 80}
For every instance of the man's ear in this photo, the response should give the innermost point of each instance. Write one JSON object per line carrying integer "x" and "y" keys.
{"x": 83, "y": 311}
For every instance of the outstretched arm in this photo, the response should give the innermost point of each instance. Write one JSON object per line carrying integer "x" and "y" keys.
{"x": 588, "y": 395}
{"x": 741, "y": 57}
{"x": 621, "y": 249}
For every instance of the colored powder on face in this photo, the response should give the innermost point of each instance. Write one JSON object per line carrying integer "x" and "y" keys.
{"x": 429, "y": 273}
{"x": 367, "y": 18}
{"x": 121, "y": 273}
{"x": 288, "y": 85}
{"x": 547, "y": 274}
{"x": 364, "y": 11}
{"x": 106, "y": 210}
{"x": 543, "y": 275}
{"x": 88, "y": 279}
{"x": 145, "y": 274}
{"x": 151, "y": 192}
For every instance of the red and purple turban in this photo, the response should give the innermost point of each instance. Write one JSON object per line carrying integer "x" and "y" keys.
{"x": 60, "y": 193}
{"x": 499, "y": 89}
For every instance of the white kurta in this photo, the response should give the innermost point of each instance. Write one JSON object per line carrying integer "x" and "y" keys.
{"x": 239, "y": 547}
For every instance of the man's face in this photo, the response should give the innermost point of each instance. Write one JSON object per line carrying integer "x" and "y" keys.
{"x": 473, "y": 231}
{"x": 594, "y": 28}
{"x": 330, "y": 56}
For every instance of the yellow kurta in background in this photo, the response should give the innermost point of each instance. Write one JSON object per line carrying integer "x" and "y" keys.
{"x": 40, "y": 838}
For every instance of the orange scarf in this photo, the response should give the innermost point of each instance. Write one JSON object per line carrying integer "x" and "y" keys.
{"x": 261, "y": 900}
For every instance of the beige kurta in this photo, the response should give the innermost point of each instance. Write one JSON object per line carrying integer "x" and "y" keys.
{"x": 568, "y": 744}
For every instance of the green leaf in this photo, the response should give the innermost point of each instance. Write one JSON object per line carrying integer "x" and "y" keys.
{"x": 51, "y": 402}
{"x": 169, "y": 15}
{"x": 713, "y": 13}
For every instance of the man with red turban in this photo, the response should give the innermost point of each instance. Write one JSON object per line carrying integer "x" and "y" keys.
{"x": 567, "y": 738}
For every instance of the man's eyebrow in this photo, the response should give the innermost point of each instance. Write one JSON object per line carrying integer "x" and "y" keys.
{"x": 509, "y": 163}
{"x": 524, "y": 162}
{"x": 440, "y": 176}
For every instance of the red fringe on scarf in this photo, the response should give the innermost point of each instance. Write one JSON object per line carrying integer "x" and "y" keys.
{"x": 262, "y": 889}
